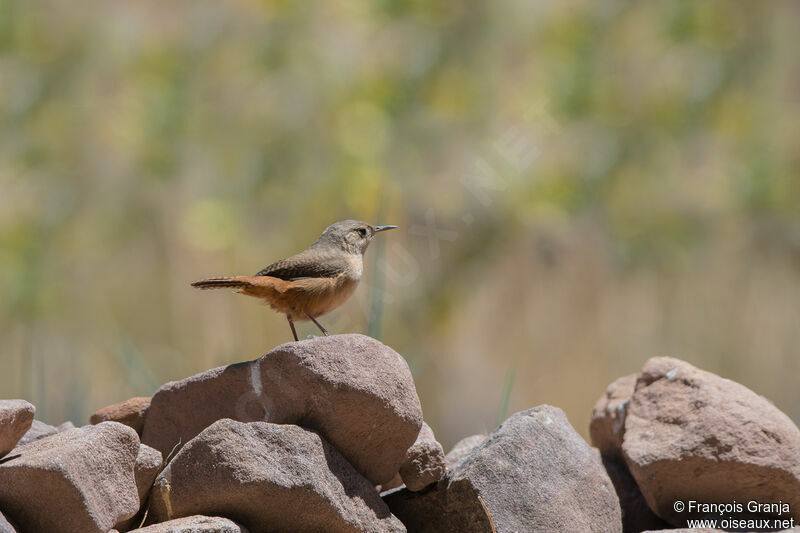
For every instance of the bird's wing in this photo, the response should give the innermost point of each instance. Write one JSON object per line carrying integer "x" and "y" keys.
{"x": 305, "y": 265}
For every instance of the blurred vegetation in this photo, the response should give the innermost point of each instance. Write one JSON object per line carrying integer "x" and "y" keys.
{"x": 580, "y": 185}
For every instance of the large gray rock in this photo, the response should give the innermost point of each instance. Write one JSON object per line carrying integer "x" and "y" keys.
{"x": 195, "y": 524}
{"x": 357, "y": 392}
{"x": 692, "y": 435}
{"x": 78, "y": 480}
{"x": 424, "y": 463}
{"x": 16, "y": 417}
{"x": 534, "y": 473}
{"x": 607, "y": 427}
{"x": 270, "y": 478}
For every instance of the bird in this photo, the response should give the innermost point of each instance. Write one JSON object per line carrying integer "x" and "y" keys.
{"x": 313, "y": 282}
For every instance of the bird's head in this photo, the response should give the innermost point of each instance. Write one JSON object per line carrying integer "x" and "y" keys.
{"x": 351, "y": 236}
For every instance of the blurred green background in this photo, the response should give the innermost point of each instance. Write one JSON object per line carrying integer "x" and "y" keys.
{"x": 580, "y": 185}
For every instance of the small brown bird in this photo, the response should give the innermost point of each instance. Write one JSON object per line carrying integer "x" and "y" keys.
{"x": 316, "y": 281}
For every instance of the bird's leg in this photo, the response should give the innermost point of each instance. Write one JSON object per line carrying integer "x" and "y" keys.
{"x": 291, "y": 325}
{"x": 324, "y": 331}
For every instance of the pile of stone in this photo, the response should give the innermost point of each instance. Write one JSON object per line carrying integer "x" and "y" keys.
{"x": 674, "y": 438}
{"x": 306, "y": 438}
{"x": 327, "y": 434}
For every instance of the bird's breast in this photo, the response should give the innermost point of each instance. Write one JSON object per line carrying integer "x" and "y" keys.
{"x": 356, "y": 267}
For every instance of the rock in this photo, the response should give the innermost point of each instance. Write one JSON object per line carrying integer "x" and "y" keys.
{"x": 78, "y": 480}
{"x": 38, "y": 430}
{"x": 131, "y": 412}
{"x": 462, "y": 449}
{"x": 534, "y": 473}
{"x": 424, "y": 463}
{"x": 16, "y": 417}
{"x": 394, "y": 483}
{"x": 606, "y": 430}
{"x": 148, "y": 463}
{"x": 65, "y": 426}
{"x": 636, "y": 515}
{"x": 607, "y": 426}
{"x": 356, "y": 392}
{"x": 194, "y": 524}
{"x": 270, "y": 477}
{"x": 692, "y": 435}
{"x": 6, "y": 526}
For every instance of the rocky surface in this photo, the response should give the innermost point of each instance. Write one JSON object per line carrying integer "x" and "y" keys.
{"x": 534, "y": 473}
{"x": 148, "y": 463}
{"x": 424, "y": 463}
{"x": 65, "y": 426}
{"x": 16, "y": 417}
{"x": 88, "y": 476}
{"x": 131, "y": 412}
{"x": 606, "y": 430}
{"x": 269, "y": 477}
{"x": 692, "y": 435}
{"x": 357, "y": 392}
{"x": 394, "y": 483}
{"x": 195, "y": 524}
{"x": 607, "y": 426}
{"x": 38, "y": 430}
{"x": 300, "y": 439}
{"x": 461, "y": 449}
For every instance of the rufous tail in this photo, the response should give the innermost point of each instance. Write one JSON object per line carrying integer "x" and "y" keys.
{"x": 222, "y": 283}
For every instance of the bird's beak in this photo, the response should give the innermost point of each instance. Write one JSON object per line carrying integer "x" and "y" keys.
{"x": 382, "y": 228}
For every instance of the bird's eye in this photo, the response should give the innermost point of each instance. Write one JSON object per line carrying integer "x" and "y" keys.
{"x": 362, "y": 232}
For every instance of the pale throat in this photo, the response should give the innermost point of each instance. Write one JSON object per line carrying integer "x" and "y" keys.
{"x": 356, "y": 266}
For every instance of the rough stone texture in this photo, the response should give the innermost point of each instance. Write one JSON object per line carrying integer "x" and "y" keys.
{"x": 636, "y": 515}
{"x": 424, "y": 463}
{"x": 195, "y": 524}
{"x": 691, "y": 435}
{"x": 607, "y": 426}
{"x": 394, "y": 483}
{"x": 16, "y": 417}
{"x": 87, "y": 476}
{"x": 357, "y": 392}
{"x": 462, "y": 449}
{"x": 534, "y": 473}
{"x": 131, "y": 412}
{"x": 6, "y": 526}
{"x": 148, "y": 463}
{"x": 65, "y": 426}
{"x": 38, "y": 430}
{"x": 270, "y": 478}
